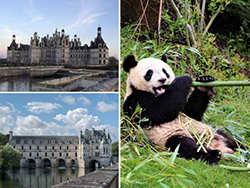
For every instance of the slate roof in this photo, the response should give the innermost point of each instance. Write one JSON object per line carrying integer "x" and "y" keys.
{"x": 49, "y": 139}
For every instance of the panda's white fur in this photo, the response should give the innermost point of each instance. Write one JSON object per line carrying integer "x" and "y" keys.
{"x": 160, "y": 134}
{"x": 136, "y": 75}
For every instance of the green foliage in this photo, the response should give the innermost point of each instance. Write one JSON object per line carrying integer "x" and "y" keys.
{"x": 9, "y": 157}
{"x": 3, "y": 139}
{"x": 146, "y": 165}
{"x": 115, "y": 149}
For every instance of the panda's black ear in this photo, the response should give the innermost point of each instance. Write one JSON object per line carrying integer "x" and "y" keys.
{"x": 129, "y": 62}
{"x": 164, "y": 58}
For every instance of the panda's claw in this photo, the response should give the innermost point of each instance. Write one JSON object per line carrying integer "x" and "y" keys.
{"x": 205, "y": 79}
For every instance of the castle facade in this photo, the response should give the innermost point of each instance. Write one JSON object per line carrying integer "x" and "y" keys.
{"x": 58, "y": 49}
{"x": 91, "y": 149}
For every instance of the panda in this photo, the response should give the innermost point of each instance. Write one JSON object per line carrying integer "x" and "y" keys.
{"x": 164, "y": 100}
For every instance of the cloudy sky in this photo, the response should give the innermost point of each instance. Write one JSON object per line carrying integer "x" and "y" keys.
{"x": 58, "y": 114}
{"x": 81, "y": 17}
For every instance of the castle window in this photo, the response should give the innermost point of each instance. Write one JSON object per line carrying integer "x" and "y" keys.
{"x": 52, "y": 154}
{"x": 100, "y": 55}
{"x": 37, "y": 141}
{"x": 45, "y": 147}
{"x": 100, "y": 50}
{"x": 14, "y": 141}
{"x": 53, "y": 147}
{"x": 67, "y": 142}
{"x": 22, "y": 147}
{"x": 60, "y": 142}
{"x": 60, "y": 154}
{"x": 30, "y": 147}
{"x": 63, "y": 49}
{"x": 75, "y": 147}
{"x": 76, "y": 154}
{"x": 37, "y": 154}
{"x": 14, "y": 147}
{"x": 63, "y": 55}
{"x": 100, "y": 61}
{"x": 53, "y": 141}
{"x": 104, "y": 61}
{"x": 67, "y": 147}
{"x": 67, "y": 154}
{"x": 30, "y": 141}
{"x": 76, "y": 142}
{"x": 60, "y": 147}
{"x": 104, "y": 55}
{"x": 45, "y": 154}
{"x": 30, "y": 154}
{"x": 22, "y": 141}
{"x": 96, "y": 147}
{"x": 37, "y": 147}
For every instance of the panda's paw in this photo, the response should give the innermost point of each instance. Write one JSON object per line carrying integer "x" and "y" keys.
{"x": 213, "y": 156}
{"x": 205, "y": 79}
{"x": 209, "y": 90}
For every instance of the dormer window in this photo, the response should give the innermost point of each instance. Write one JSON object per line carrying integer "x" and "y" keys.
{"x": 30, "y": 141}
{"x": 45, "y": 141}
{"x": 53, "y": 141}
{"x": 22, "y": 141}
{"x": 76, "y": 142}
{"x": 60, "y": 142}
{"x": 14, "y": 141}
{"x": 67, "y": 142}
{"x": 38, "y": 142}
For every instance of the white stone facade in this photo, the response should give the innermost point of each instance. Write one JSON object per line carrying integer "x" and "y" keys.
{"x": 58, "y": 49}
{"x": 93, "y": 149}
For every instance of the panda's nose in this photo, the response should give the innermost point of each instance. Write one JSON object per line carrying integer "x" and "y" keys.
{"x": 162, "y": 80}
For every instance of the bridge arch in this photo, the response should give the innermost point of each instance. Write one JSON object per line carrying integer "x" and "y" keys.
{"x": 94, "y": 163}
{"x": 30, "y": 163}
{"x": 72, "y": 163}
{"x": 61, "y": 163}
{"x": 46, "y": 163}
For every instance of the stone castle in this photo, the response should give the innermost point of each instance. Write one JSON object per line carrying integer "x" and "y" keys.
{"x": 91, "y": 149}
{"x": 59, "y": 50}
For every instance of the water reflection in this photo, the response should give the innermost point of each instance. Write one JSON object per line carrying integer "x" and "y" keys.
{"x": 39, "y": 177}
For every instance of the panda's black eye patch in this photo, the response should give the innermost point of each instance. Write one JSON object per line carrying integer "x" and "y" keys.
{"x": 165, "y": 72}
{"x": 148, "y": 75}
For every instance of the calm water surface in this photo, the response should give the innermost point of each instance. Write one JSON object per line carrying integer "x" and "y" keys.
{"x": 27, "y": 83}
{"x": 39, "y": 177}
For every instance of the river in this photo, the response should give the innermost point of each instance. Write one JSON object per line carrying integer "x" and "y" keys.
{"x": 39, "y": 177}
{"x": 27, "y": 83}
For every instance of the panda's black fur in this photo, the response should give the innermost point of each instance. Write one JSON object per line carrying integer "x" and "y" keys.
{"x": 162, "y": 105}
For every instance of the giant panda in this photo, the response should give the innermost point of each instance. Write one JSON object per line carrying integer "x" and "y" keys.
{"x": 168, "y": 108}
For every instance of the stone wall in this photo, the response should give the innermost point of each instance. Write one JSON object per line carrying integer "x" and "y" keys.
{"x": 29, "y": 70}
{"x": 101, "y": 178}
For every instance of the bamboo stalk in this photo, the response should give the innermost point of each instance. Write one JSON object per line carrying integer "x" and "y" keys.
{"x": 239, "y": 169}
{"x": 221, "y": 83}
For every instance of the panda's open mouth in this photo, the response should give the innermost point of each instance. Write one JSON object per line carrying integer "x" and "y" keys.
{"x": 160, "y": 90}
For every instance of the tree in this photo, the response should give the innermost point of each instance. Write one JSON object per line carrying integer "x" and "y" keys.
{"x": 115, "y": 149}
{"x": 9, "y": 157}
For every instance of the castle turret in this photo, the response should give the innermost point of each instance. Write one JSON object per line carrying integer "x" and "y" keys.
{"x": 63, "y": 32}
{"x": 11, "y": 133}
{"x": 14, "y": 38}
{"x": 99, "y": 32}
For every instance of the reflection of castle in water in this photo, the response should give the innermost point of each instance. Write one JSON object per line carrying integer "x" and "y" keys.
{"x": 42, "y": 178}
{"x": 91, "y": 149}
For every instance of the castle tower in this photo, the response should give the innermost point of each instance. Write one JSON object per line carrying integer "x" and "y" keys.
{"x": 63, "y": 32}
{"x": 99, "y": 32}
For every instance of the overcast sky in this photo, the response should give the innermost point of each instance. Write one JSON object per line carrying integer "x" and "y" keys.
{"x": 58, "y": 114}
{"x": 81, "y": 17}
